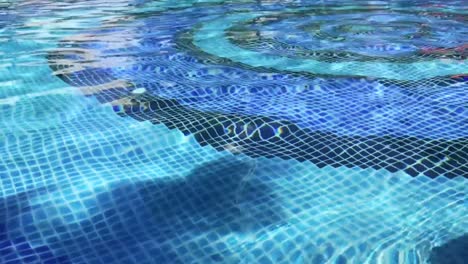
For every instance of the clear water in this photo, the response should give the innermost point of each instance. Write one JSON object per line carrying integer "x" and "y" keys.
{"x": 233, "y": 131}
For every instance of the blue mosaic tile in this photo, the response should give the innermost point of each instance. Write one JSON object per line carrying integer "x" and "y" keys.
{"x": 217, "y": 132}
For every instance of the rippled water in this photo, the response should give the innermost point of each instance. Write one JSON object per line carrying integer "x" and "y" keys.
{"x": 233, "y": 131}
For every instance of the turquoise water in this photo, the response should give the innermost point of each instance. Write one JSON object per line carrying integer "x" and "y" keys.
{"x": 158, "y": 132}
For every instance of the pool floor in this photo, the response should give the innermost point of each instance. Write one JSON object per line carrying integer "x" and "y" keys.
{"x": 194, "y": 132}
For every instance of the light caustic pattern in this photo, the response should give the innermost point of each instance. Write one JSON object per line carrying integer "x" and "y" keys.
{"x": 233, "y": 132}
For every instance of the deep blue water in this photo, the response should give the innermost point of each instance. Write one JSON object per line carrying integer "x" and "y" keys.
{"x": 233, "y": 131}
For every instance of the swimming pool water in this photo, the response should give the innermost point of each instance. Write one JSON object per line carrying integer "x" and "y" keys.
{"x": 233, "y": 131}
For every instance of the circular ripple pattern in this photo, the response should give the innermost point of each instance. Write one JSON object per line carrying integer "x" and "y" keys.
{"x": 369, "y": 86}
{"x": 365, "y": 35}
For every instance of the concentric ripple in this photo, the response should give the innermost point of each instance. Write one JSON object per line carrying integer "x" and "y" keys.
{"x": 211, "y": 38}
{"x": 199, "y": 76}
{"x": 355, "y": 34}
